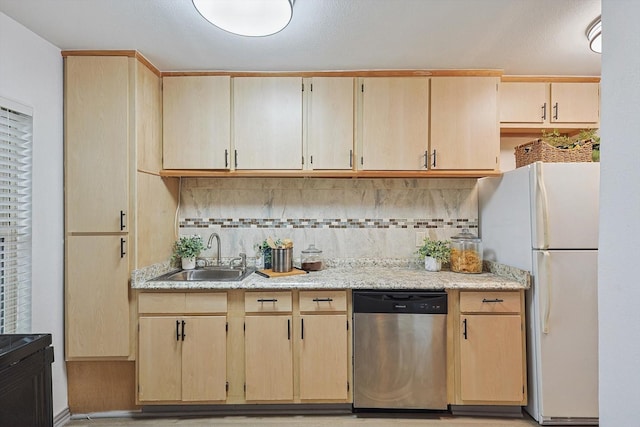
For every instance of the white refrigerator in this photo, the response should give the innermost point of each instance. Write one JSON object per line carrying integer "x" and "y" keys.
{"x": 543, "y": 218}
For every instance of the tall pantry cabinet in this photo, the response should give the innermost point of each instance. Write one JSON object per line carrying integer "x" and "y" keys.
{"x": 117, "y": 210}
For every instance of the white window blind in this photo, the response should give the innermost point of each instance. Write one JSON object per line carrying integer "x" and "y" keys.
{"x": 16, "y": 135}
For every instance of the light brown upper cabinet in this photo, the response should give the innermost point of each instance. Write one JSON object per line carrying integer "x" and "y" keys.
{"x": 464, "y": 123}
{"x": 395, "y": 123}
{"x": 547, "y": 104}
{"x": 267, "y": 123}
{"x": 196, "y": 122}
{"x": 575, "y": 103}
{"x": 330, "y": 122}
{"x": 97, "y": 110}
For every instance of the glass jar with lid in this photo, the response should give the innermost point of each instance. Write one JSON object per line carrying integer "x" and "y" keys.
{"x": 311, "y": 259}
{"x": 466, "y": 253}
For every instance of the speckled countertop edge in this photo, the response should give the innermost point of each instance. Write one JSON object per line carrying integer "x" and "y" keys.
{"x": 353, "y": 274}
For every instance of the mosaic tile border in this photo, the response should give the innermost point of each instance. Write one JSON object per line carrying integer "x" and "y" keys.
{"x": 328, "y": 223}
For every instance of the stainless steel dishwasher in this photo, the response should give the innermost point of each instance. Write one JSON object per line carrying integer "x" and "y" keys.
{"x": 400, "y": 349}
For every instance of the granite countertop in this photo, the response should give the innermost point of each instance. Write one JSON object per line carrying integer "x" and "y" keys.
{"x": 353, "y": 274}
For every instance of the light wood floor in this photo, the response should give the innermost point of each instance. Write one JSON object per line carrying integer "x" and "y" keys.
{"x": 310, "y": 421}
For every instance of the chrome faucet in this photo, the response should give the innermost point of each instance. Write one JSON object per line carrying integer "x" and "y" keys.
{"x": 217, "y": 246}
{"x": 243, "y": 261}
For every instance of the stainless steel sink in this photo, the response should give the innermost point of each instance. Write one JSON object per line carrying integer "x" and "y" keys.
{"x": 213, "y": 274}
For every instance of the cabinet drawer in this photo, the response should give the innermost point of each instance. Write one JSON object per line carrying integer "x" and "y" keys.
{"x": 182, "y": 303}
{"x": 311, "y": 301}
{"x": 267, "y": 302}
{"x": 490, "y": 302}
{"x": 205, "y": 302}
{"x": 170, "y": 303}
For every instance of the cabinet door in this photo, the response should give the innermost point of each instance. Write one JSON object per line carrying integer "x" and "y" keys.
{"x": 204, "y": 358}
{"x": 97, "y": 124}
{"x": 97, "y": 304}
{"x": 159, "y": 359}
{"x": 330, "y": 123}
{"x": 464, "y": 123}
{"x": 267, "y": 122}
{"x": 575, "y": 102}
{"x": 323, "y": 357}
{"x": 491, "y": 359}
{"x": 524, "y": 102}
{"x": 395, "y": 123}
{"x": 196, "y": 122}
{"x": 268, "y": 358}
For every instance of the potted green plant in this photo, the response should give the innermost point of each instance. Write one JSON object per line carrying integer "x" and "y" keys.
{"x": 187, "y": 248}
{"x": 434, "y": 252}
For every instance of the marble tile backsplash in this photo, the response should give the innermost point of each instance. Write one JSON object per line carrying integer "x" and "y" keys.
{"x": 346, "y": 218}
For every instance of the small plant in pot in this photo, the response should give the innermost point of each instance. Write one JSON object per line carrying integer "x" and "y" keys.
{"x": 434, "y": 252}
{"x": 187, "y": 248}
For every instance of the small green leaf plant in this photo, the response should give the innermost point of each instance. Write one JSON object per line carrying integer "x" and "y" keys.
{"x": 188, "y": 247}
{"x": 438, "y": 249}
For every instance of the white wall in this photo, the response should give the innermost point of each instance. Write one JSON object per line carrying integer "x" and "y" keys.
{"x": 31, "y": 73}
{"x": 619, "y": 283}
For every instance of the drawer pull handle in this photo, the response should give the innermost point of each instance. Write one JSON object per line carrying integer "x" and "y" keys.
{"x": 464, "y": 332}
{"x": 322, "y": 299}
{"x": 122, "y": 224}
{"x": 301, "y": 328}
{"x": 267, "y": 300}
{"x": 492, "y": 300}
{"x": 177, "y": 330}
{"x": 289, "y": 329}
{"x": 183, "y": 334}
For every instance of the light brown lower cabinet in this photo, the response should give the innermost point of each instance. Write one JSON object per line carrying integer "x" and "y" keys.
{"x": 264, "y": 347}
{"x": 323, "y": 357}
{"x": 268, "y": 358}
{"x": 182, "y": 358}
{"x": 489, "y": 343}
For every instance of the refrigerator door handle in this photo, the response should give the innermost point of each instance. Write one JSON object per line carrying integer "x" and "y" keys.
{"x": 542, "y": 211}
{"x": 545, "y": 273}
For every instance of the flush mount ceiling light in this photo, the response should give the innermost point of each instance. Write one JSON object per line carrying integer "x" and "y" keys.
{"x": 252, "y": 18}
{"x": 594, "y": 34}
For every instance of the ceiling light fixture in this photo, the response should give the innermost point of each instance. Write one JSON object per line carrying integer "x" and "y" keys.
{"x": 594, "y": 34}
{"x": 253, "y": 18}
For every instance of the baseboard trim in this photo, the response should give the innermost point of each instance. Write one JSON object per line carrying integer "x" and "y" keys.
{"x": 107, "y": 414}
{"x": 62, "y": 418}
{"x": 487, "y": 410}
{"x": 249, "y": 409}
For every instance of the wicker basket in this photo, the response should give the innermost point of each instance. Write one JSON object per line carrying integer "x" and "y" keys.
{"x": 539, "y": 150}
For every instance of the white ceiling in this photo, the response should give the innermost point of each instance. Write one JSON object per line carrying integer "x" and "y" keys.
{"x": 540, "y": 37}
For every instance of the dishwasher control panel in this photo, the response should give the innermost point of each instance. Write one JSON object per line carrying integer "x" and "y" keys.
{"x": 411, "y": 302}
